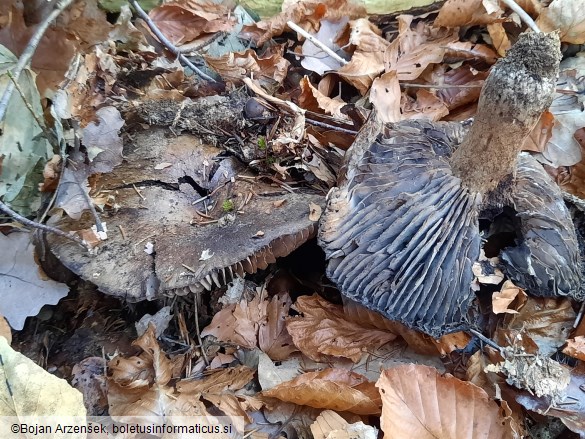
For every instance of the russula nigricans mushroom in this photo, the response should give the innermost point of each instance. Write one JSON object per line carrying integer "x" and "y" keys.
{"x": 401, "y": 230}
{"x": 241, "y": 226}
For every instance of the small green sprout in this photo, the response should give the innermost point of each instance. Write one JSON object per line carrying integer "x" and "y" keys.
{"x": 227, "y": 206}
{"x": 262, "y": 143}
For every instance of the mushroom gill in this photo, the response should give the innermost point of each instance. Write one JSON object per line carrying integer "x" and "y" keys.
{"x": 401, "y": 230}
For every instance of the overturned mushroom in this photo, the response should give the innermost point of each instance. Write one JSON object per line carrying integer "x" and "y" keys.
{"x": 401, "y": 231}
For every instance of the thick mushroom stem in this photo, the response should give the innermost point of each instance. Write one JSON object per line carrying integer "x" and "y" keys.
{"x": 516, "y": 93}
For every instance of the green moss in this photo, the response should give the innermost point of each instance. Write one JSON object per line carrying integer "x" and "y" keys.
{"x": 227, "y": 205}
{"x": 262, "y": 143}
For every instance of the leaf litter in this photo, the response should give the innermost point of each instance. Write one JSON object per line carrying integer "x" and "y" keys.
{"x": 281, "y": 357}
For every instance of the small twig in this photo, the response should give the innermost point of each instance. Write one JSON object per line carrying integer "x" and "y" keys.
{"x": 49, "y": 135}
{"x": 28, "y": 53}
{"x": 579, "y": 315}
{"x": 522, "y": 14}
{"x": 198, "y": 331}
{"x": 165, "y": 41}
{"x": 316, "y": 42}
{"x": 188, "y": 49}
{"x": 486, "y": 340}
{"x": 326, "y": 125}
{"x": 25, "y": 221}
{"x": 437, "y": 86}
{"x": 138, "y": 192}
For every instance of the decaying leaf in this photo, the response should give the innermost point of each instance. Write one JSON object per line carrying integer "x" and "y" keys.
{"x": 419, "y": 402}
{"x": 324, "y": 329}
{"x": 456, "y": 13}
{"x": 89, "y": 379}
{"x": 546, "y": 321}
{"x": 306, "y": 14}
{"x": 312, "y": 99}
{"x": 24, "y": 289}
{"x": 22, "y": 144}
{"x": 502, "y": 300}
{"x": 385, "y": 97}
{"x": 315, "y": 58}
{"x": 183, "y": 22}
{"x": 540, "y": 375}
{"x": 5, "y": 330}
{"x": 235, "y": 66}
{"x": 334, "y": 389}
{"x": 568, "y": 16}
{"x": 330, "y": 425}
{"x": 26, "y": 389}
{"x": 576, "y": 347}
{"x": 255, "y": 324}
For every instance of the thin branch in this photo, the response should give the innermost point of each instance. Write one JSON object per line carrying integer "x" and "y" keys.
{"x": 522, "y": 14}
{"x": 165, "y": 41}
{"x": 25, "y": 221}
{"x": 437, "y": 86}
{"x": 486, "y": 340}
{"x": 28, "y": 53}
{"x": 316, "y": 42}
{"x": 331, "y": 127}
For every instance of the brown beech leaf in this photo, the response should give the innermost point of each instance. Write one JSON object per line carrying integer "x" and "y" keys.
{"x": 499, "y": 37}
{"x": 427, "y": 105}
{"x": 307, "y": 14}
{"x": 420, "y": 403}
{"x": 510, "y": 294}
{"x": 385, "y": 97}
{"x": 313, "y": 100}
{"x": 335, "y": 389}
{"x": 576, "y": 347}
{"x": 362, "y": 69}
{"x": 235, "y": 66}
{"x": 568, "y": 16}
{"x": 546, "y": 321}
{"x": 238, "y": 323}
{"x": 181, "y": 24}
{"x": 540, "y": 134}
{"x": 138, "y": 386}
{"x": 466, "y": 50}
{"x": 273, "y": 337}
{"x": 5, "y": 330}
{"x": 324, "y": 329}
{"x": 455, "y": 13}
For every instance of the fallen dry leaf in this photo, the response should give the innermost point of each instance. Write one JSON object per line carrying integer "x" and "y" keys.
{"x": 26, "y": 389}
{"x": 427, "y": 105}
{"x": 324, "y": 329}
{"x": 307, "y": 14}
{"x": 419, "y": 402}
{"x": 540, "y": 134}
{"x": 313, "y": 100}
{"x": 273, "y": 337}
{"x": 576, "y": 347}
{"x": 235, "y": 66}
{"x": 255, "y": 324}
{"x": 24, "y": 289}
{"x": 5, "y": 330}
{"x": 455, "y": 13}
{"x": 331, "y": 425}
{"x": 568, "y": 16}
{"x": 182, "y": 24}
{"x": 546, "y": 321}
{"x": 499, "y": 37}
{"x": 385, "y": 97}
{"x": 502, "y": 300}
{"x": 334, "y": 389}
{"x": 89, "y": 379}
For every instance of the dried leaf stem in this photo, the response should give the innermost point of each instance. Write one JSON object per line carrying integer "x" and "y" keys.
{"x": 166, "y": 42}
{"x": 316, "y": 42}
{"x": 522, "y": 14}
{"x": 25, "y": 221}
{"x": 28, "y": 53}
